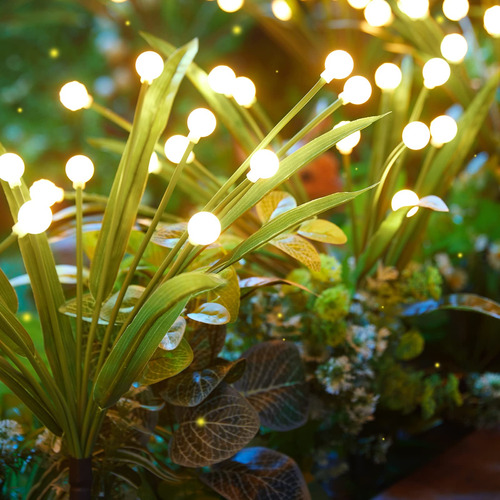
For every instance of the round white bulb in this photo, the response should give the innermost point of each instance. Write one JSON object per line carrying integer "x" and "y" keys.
{"x": 346, "y": 145}
{"x": 45, "y": 191}
{"x": 79, "y": 170}
{"x": 455, "y": 10}
{"x": 338, "y": 65}
{"x": 201, "y": 122}
{"x": 357, "y": 90}
{"x": 263, "y": 165}
{"x": 443, "y": 130}
{"x": 230, "y": 5}
{"x": 281, "y": 10}
{"x": 414, "y": 9}
{"x": 149, "y": 65}
{"x": 154, "y": 166}
{"x": 436, "y": 72}
{"x": 378, "y": 13}
{"x": 454, "y": 47}
{"x": 416, "y": 135}
{"x": 388, "y": 76}
{"x": 405, "y": 198}
{"x": 203, "y": 228}
{"x": 358, "y": 4}
{"x": 491, "y": 21}
{"x": 74, "y": 96}
{"x": 11, "y": 168}
{"x": 244, "y": 91}
{"x": 221, "y": 80}
{"x": 33, "y": 218}
{"x": 175, "y": 148}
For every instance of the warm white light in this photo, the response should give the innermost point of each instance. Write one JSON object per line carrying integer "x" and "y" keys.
{"x": 79, "y": 170}
{"x": 455, "y": 10}
{"x": 378, "y": 13}
{"x": 436, "y": 72}
{"x": 454, "y": 47}
{"x": 45, "y": 191}
{"x": 154, "y": 166}
{"x": 74, "y": 96}
{"x": 175, "y": 148}
{"x": 203, "y": 228}
{"x": 415, "y": 9}
{"x": 358, "y": 4}
{"x": 281, "y": 10}
{"x": 221, "y": 80}
{"x": 388, "y": 76}
{"x": 491, "y": 21}
{"x": 118, "y": 1}
{"x": 201, "y": 122}
{"x": 443, "y": 130}
{"x": 263, "y": 165}
{"x": 149, "y": 65}
{"x": 244, "y": 91}
{"x": 338, "y": 64}
{"x": 416, "y": 135}
{"x": 346, "y": 145}
{"x": 11, "y": 169}
{"x": 357, "y": 90}
{"x": 405, "y": 198}
{"x": 33, "y": 218}
{"x": 230, "y": 5}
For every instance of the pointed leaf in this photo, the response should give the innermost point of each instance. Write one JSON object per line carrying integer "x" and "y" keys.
{"x": 298, "y": 248}
{"x": 274, "y": 204}
{"x": 279, "y": 392}
{"x": 434, "y": 203}
{"x": 322, "y": 230}
{"x": 12, "y": 332}
{"x": 257, "y": 474}
{"x": 174, "y": 335}
{"x": 7, "y": 293}
{"x": 210, "y": 313}
{"x": 131, "y": 297}
{"x": 215, "y": 430}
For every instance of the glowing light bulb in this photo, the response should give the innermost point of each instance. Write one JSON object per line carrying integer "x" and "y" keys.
{"x": 405, "y": 198}
{"x": 358, "y": 4}
{"x": 388, "y": 76}
{"x": 346, "y": 145}
{"x": 11, "y": 169}
{"x": 378, "y": 13}
{"x": 416, "y": 135}
{"x": 263, "y": 165}
{"x": 221, "y": 80}
{"x": 230, "y": 5}
{"x": 154, "y": 166}
{"x": 203, "y": 228}
{"x": 201, "y": 122}
{"x": 414, "y": 9}
{"x": 281, "y": 10}
{"x": 45, "y": 191}
{"x": 244, "y": 91}
{"x": 357, "y": 90}
{"x": 443, "y": 130}
{"x": 454, "y": 47}
{"x": 175, "y": 148}
{"x": 436, "y": 72}
{"x": 33, "y": 218}
{"x": 491, "y": 21}
{"x": 79, "y": 170}
{"x": 118, "y": 1}
{"x": 149, "y": 65}
{"x": 74, "y": 96}
{"x": 338, "y": 65}
{"x": 455, "y": 10}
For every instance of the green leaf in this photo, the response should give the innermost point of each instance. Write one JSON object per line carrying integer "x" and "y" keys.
{"x": 257, "y": 473}
{"x": 279, "y": 392}
{"x": 152, "y": 255}
{"x": 228, "y": 294}
{"x": 88, "y": 307}
{"x": 210, "y": 313}
{"x": 214, "y": 430}
{"x": 12, "y": 332}
{"x": 132, "y": 295}
{"x": 322, "y": 230}
{"x": 274, "y": 204}
{"x": 130, "y": 180}
{"x": 166, "y": 364}
{"x": 298, "y": 248}
{"x": 7, "y": 293}
{"x": 140, "y": 340}
{"x": 167, "y": 235}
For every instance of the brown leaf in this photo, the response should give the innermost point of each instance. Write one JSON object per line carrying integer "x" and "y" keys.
{"x": 206, "y": 341}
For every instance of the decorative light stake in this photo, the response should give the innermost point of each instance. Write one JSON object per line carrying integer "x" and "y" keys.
{"x": 405, "y": 198}
{"x": 388, "y": 76}
{"x": 203, "y": 228}
{"x": 378, "y": 13}
{"x": 263, "y": 165}
{"x": 175, "y": 148}
{"x": 358, "y": 4}
{"x": 436, "y": 72}
{"x": 455, "y": 10}
{"x": 11, "y": 168}
{"x": 230, "y": 5}
{"x": 414, "y": 9}
{"x": 45, "y": 191}
{"x": 201, "y": 122}
{"x": 491, "y": 21}
{"x": 454, "y": 47}
{"x": 357, "y": 90}
{"x": 281, "y": 10}
{"x": 33, "y": 218}
{"x": 244, "y": 91}
{"x": 74, "y": 96}
{"x": 443, "y": 130}
{"x": 346, "y": 145}
{"x": 416, "y": 135}
{"x": 221, "y": 80}
{"x": 149, "y": 66}
{"x": 338, "y": 65}
{"x": 79, "y": 170}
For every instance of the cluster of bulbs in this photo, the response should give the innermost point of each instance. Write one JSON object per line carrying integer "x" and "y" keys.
{"x": 223, "y": 80}
{"x": 443, "y": 129}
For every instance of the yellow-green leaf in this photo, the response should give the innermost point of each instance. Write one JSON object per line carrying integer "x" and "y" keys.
{"x": 274, "y": 204}
{"x": 167, "y": 235}
{"x": 7, "y": 293}
{"x": 229, "y": 294}
{"x": 322, "y": 230}
{"x": 132, "y": 295}
{"x": 298, "y": 248}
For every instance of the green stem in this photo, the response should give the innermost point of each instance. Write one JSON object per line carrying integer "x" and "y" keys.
{"x": 249, "y": 119}
{"x": 79, "y": 292}
{"x": 111, "y": 116}
{"x": 429, "y": 157}
{"x": 346, "y": 163}
{"x": 7, "y": 242}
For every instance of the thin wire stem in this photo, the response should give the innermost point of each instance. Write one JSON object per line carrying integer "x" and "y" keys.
{"x": 79, "y": 292}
